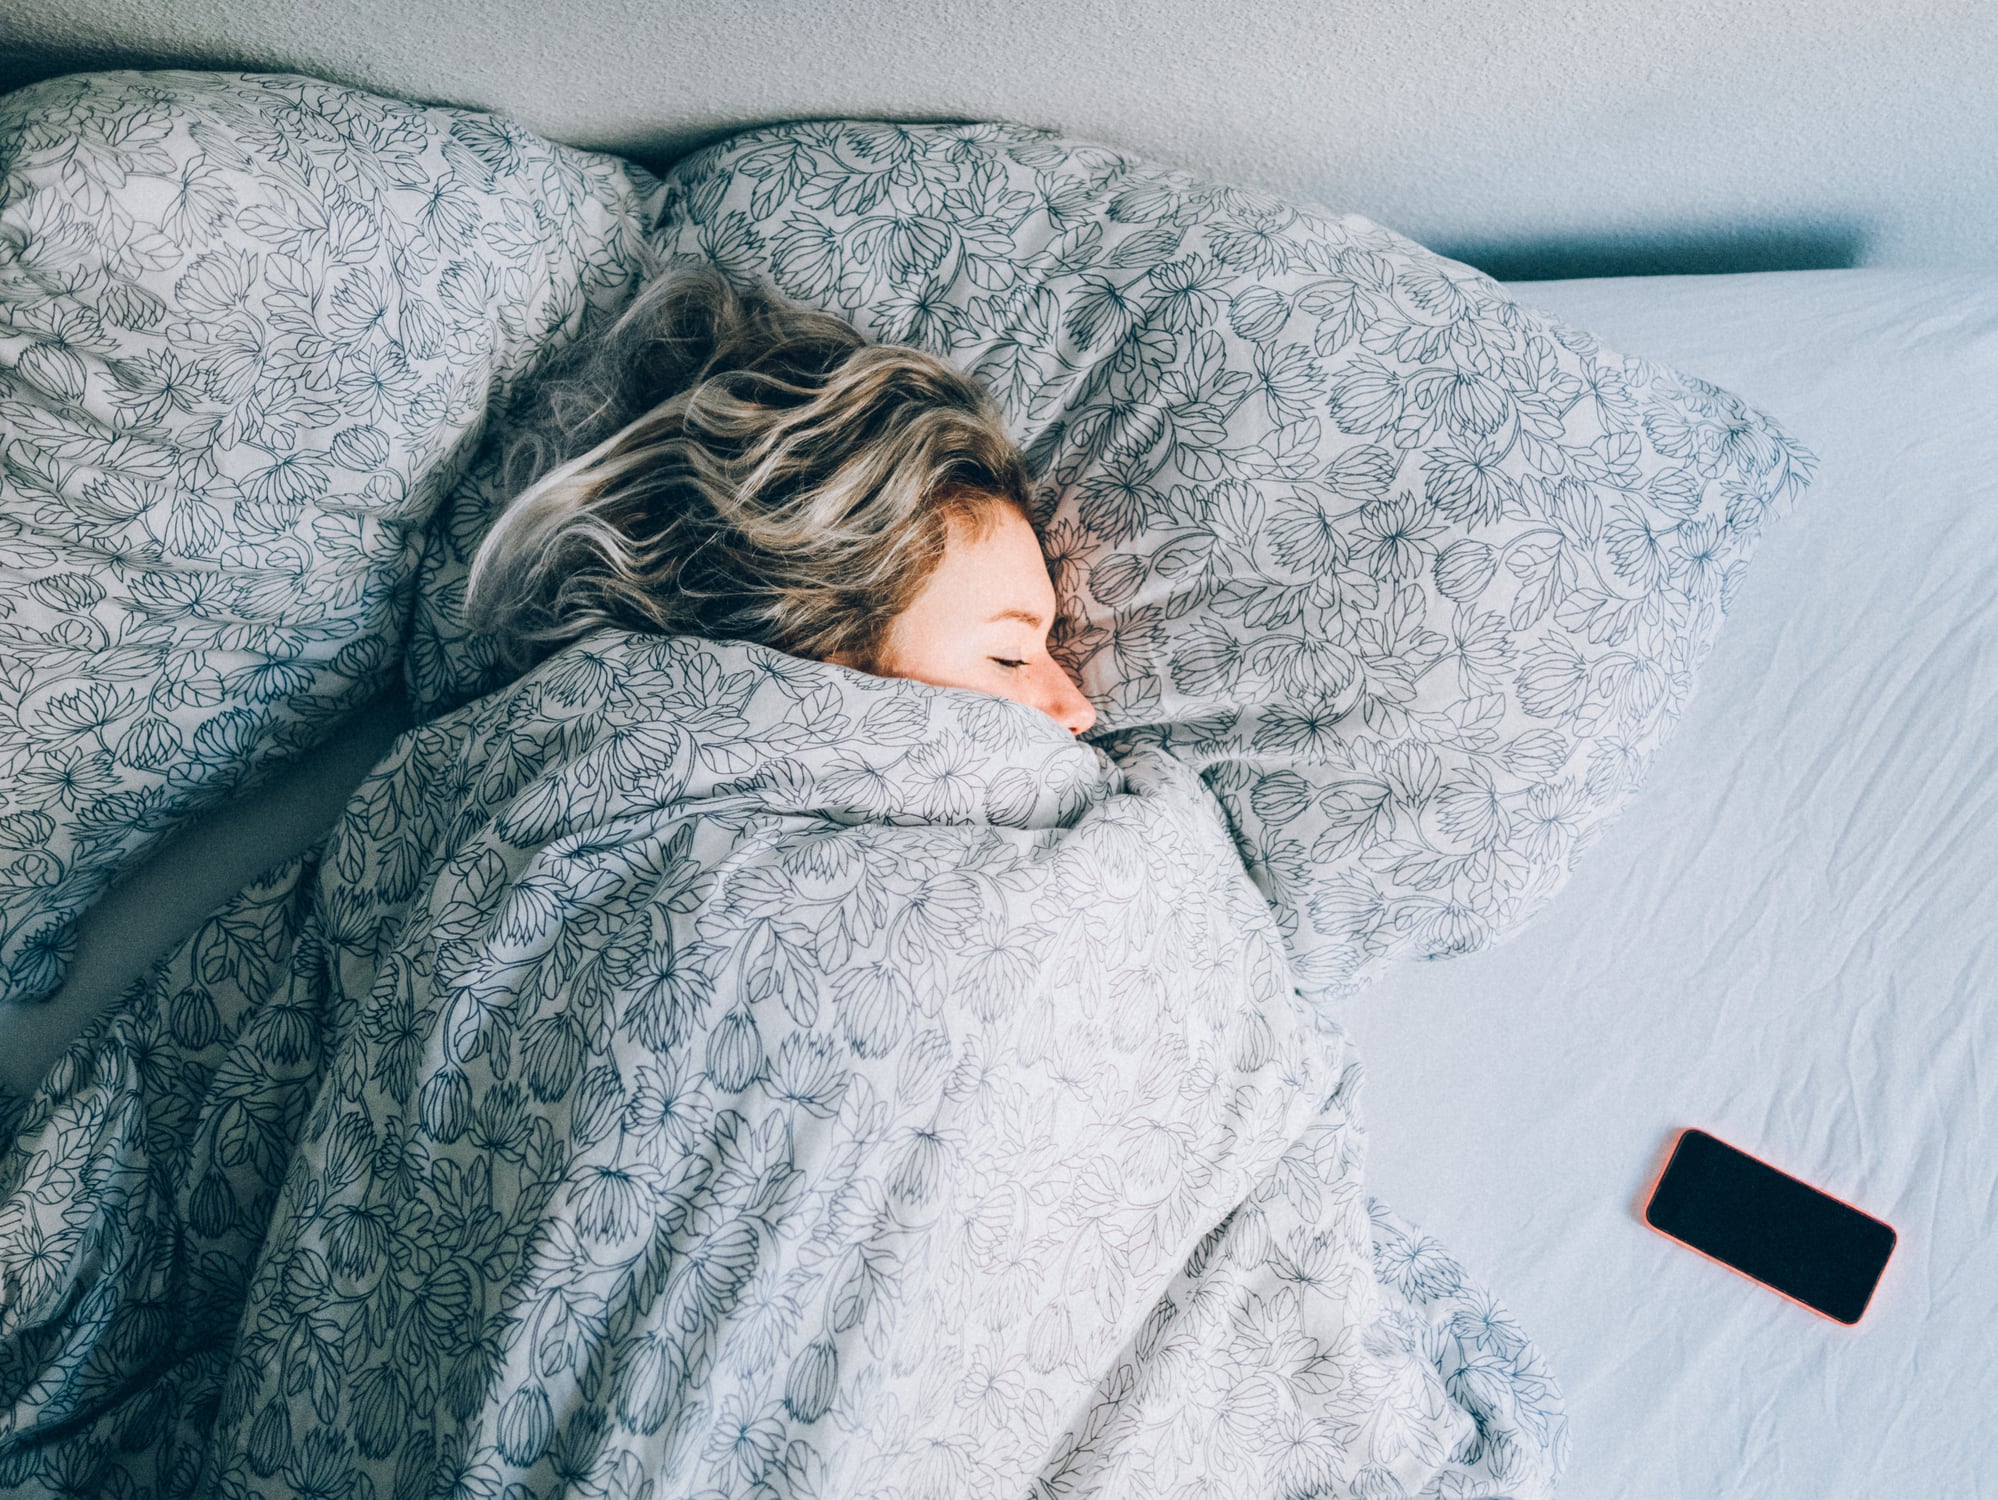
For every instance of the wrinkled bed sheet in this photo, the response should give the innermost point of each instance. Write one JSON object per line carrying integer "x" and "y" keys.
{"x": 695, "y": 1070}
{"x": 1788, "y": 940}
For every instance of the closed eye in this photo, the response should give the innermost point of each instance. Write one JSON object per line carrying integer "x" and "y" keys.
{"x": 1005, "y": 663}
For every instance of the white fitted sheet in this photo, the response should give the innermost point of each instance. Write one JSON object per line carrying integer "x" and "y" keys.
{"x": 1787, "y": 940}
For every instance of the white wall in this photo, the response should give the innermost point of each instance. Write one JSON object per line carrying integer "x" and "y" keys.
{"x": 1552, "y": 137}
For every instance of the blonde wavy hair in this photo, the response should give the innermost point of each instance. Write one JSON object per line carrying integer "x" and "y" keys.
{"x": 744, "y": 468}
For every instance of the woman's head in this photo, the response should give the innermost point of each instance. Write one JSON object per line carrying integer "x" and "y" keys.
{"x": 748, "y": 469}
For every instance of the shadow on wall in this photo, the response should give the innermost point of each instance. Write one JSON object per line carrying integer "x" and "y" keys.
{"x": 1817, "y": 247}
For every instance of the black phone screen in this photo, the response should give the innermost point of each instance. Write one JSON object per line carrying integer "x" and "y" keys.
{"x": 1771, "y": 1226}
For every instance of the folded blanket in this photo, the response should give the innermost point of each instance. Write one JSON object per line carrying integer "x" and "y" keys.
{"x": 692, "y": 1070}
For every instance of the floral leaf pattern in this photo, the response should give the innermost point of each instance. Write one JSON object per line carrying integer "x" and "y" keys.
{"x": 1418, "y": 577}
{"x": 692, "y": 1070}
{"x": 249, "y": 326}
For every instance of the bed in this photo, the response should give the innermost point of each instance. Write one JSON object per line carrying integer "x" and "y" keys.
{"x": 1787, "y": 939}
{"x": 1780, "y": 941}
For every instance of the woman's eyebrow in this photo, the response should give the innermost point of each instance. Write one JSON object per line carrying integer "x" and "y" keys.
{"x": 1025, "y": 616}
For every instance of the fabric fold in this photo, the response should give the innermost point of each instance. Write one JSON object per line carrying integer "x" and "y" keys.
{"x": 700, "y": 1068}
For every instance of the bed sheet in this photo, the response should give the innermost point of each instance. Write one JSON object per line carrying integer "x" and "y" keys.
{"x": 1787, "y": 940}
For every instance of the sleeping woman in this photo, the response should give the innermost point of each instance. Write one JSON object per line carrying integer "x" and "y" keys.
{"x": 793, "y": 485}
{"x": 732, "y": 1059}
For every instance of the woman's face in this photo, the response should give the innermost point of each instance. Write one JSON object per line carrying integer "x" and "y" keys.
{"x": 982, "y": 621}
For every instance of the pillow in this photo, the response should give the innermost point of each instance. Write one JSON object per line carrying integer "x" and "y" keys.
{"x": 1417, "y": 575}
{"x": 249, "y": 327}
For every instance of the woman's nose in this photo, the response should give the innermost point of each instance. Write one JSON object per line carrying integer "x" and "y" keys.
{"x": 1062, "y": 702}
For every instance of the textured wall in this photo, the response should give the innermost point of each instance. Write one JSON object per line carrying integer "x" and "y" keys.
{"x": 1552, "y": 137}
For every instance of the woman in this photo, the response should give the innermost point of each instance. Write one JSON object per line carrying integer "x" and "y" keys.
{"x": 769, "y": 475}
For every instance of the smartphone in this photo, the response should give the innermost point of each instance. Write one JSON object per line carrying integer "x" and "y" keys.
{"x": 1770, "y": 1226}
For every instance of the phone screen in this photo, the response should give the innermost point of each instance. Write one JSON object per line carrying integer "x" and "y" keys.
{"x": 1769, "y": 1225}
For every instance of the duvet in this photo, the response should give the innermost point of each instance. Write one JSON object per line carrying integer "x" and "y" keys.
{"x": 695, "y": 1071}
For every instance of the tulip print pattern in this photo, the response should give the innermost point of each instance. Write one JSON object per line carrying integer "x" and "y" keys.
{"x": 1415, "y": 575}
{"x": 249, "y": 329}
{"x": 693, "y": 1070}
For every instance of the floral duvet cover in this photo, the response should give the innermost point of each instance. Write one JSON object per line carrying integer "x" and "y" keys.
{"x": 695, "y": 1071}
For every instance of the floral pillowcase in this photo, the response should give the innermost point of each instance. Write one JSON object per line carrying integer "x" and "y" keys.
{"x": 1417, "y": 575}
{"x": 249, "y": 329}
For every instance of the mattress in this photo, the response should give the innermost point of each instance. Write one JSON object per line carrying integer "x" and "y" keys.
{"x": 1785, "y": 941}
